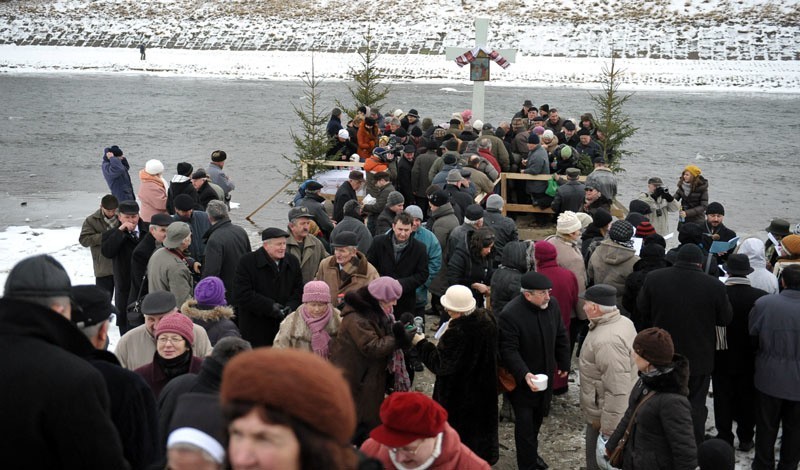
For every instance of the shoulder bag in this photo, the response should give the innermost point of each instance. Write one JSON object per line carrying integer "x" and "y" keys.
{"x": 616, "y": 457}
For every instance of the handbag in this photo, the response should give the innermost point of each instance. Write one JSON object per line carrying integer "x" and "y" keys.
{"x": 134, "y": 309}
{"x": 616, "y": 457}
{"x": 505, "y": 381}
{"x": 552, "y": 187}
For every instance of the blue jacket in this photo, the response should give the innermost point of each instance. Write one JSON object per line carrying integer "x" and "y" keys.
{"x": 775, "y": 322}
{"x": 115, "y": 171}
{"x": 434, "y": 261}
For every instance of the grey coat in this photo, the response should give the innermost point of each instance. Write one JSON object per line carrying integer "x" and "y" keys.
{"x": 772, "y": 320}
{"x": 219, "y": 178}
{"x": 569, "y": 197}
{"x": 504, "y": 228}
{"x": 537, "y": 164}
{"x": 351, "y": 224}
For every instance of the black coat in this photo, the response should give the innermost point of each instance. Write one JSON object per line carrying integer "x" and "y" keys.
{"x": 139, "y": 259}
{"x": 689, "y": 304}
{"x": 225, "y": 244}
{"x": 133, "y": 410}
{"x": 635, "y": 281}
{"x": 404, "y": 187}
{"x": 662, "y": 436}
{"x": 533, "y": 340}
{"x": 464, "y": 362}
{"x": 343, "y": 194}
{"x": 411, "y": 269}
{"x": 178, "y": 188}
{"x": 206, "y": 194}
{"x": 465, "y": 268}
{"x": 118, "y": 246}
{"x": 740, "y": 356}
{"x": 54, "y": 406}
{"x": 260, "y": 283}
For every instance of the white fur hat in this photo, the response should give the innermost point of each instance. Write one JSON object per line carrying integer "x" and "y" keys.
{"x": 568, "y": 222}
{"x": 154, "y": 167}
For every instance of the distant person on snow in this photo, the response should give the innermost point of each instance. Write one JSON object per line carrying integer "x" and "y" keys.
{"x": 142, "y": 55}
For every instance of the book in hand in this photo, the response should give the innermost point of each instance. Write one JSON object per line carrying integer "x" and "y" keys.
{"x": 723, "y": 247}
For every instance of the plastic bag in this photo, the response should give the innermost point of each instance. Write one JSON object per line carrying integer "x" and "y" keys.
{"x": 552, "y": 187}
{"x": 600, "y": 454}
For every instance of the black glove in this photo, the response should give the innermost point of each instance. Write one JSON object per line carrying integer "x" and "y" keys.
{"x": 402, "y": 336}
{"x": 279, "y": 311}
{"x": 666, "y": 195}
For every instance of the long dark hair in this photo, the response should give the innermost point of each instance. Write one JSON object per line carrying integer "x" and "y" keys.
{"x": 481, "y": 238}
{"x": 316, "y": 450}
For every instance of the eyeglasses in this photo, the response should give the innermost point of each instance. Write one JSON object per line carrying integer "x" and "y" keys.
{"x": 406, "y": 450}
{"x": 543, "y": 292}
{"x": 170, "y": 339}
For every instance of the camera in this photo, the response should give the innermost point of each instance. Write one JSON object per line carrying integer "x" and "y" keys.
{"x": 659, "y": 212}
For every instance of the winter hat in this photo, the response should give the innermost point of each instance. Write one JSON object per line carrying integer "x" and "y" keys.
{"x": 566, "y": 153}
{"x": 601, "y": 218}
{"x": 414, "y": 211}
{"x": 218, "y": 156}
{"x": 652, "y": 251}
{"x": 199, "y": 174}
{"x": 791, "y": 244}
{"x": 316, "y": 291}
{"x": 454, "y": 176}
{"x": 655, "y": 346}
{"x": 494, "y": 202}
{"x": 183, "y": 202}
{"x": 299, "y": 383}
{"x": 449, "y": 159}
{"x": 635, "y": 218}
{"x": 644, "y": 229}
{"x": 400, "y": 132}
{"x": 439, "y": 198}
{"x": 185, "y": 169}
{"x": 203, "y": 430}
{"x": 655, "y": 180}
{"x": 655, "y": 238}
{"x": 451, "y": 145}
{"x": 585, "y": 219}
{"x": 352, "y": 208}
{"x": 394, "y": 199}
{"x": 569, "y": 125}
{"x": 572, "y": 173}
{"x": 416, "y": 132}
{"x": 477, "y": 125}
{"x": 690, "y": 253}
{"x": 533, "y": 138}
{"x": 408, "y": 416}
{"x": 738, "y": 265}
{"x": 210, "y": 292}
{"x": 299, "y": 212}
{"x": 412, "y": 112}
{"x": 385, "y": 289}
{"x": 158, "y": 303}
{"x": 343, "y": 134}
{"x": 637, "y": 205}
{"x": 369, "y": 121}
{"x": 38, "y": 276}
{"x": 690, "y": 233}
{"x": 344, "y": 238}
{"x": 544, "y": 251}
{"x": 473, "y": 213}
{"x": 715, "y": 208}
{"x": 538, "y": 130}
{"x": 177, "y": 323}
{"x": 458, "y": 298}
{"x": 273, "y": 232}
{"x": 154, "y": 167}
{"x": 115, "y": 150}
{"x": 535, "y": 281}
{"x": 601, "y": 294}
{"x": 90, "y": 305}
{"x": 778, "y": 227}
{"x": 548, "y": 135}
{"x": 621, "y": 231}
{"x": 716, "y": 454}
{"x": 693, "y": 170}
{"x": 313, "y": 186}
{"x": 161, "y": 220}
{"x": 128, "y": 207}
{"x": 176, "y": 234}
{"x": 409, "y": 149}
{"x": 567, "y": 223}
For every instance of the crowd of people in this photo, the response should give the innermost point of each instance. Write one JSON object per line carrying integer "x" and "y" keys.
{"x": 303, "y": 352}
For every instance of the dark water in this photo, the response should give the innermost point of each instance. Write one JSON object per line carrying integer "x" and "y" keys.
{"x": 53, "y": 130}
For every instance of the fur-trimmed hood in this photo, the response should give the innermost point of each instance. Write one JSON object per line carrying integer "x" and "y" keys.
{"x": 363, "y": 303}
{"x": 675, "y": 381}
{"x": 222, "y": 312}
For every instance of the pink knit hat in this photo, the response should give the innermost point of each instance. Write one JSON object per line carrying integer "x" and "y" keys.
{"x": 385, "y": 289}
{"x": 179, "y": 324}
{"x": 316, "y": 291}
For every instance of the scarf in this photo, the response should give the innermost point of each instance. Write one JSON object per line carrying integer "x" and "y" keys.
{"x": 398, "y": 247}
{"x": 397, "y": 366}
{"x": 110, "y": 222}
{"x": 176, "y": 366}
{"x": 686, "y": 187}
{"x": 320, "y": 339}
{"x": 346, "y": 272}
{"x": 156, "y": 179}
{"x": 626, "y": 244}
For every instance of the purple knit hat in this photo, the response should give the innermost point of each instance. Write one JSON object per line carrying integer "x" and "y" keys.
{"x": 316, "y": 291}
{"x": 385, "y": 289}
{"x": 179, "y": 324}
{"x": 210, "y": 292}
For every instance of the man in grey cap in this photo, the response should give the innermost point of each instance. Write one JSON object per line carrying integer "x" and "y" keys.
{"x": 570, "y": 194}
{"x": 661, "y": 203}
{"x": 607, "y": 369}
{"x": 133, "y": 408}
{"x": 118, "y": 245}
{"x": 269, "y": 285}
{"x": 225, "y": 244}
{"x": 533, "y": 341}
{"x": 137, "y": 346}
{"x": 168, "y": 267}
{"x": 306, "y": 247}
{"x": 54, "y": 407}
{"x": 455, "y": 187}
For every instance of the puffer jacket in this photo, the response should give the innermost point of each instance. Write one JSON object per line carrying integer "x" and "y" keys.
{"x": 694, "y": 203}
{"x": 608, "y": 371}
{"x": 661, "y": 437}
{"x": 218, "y": 321}
{"x": 611, "y": 263}
{"x": 760, "y": 278}
{"x": 506, "y": 279}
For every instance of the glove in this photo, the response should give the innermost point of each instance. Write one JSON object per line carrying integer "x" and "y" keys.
{"x": 666, "y": 195}
{"x": 402, "y": 336}
{"x": 280, "y": 311}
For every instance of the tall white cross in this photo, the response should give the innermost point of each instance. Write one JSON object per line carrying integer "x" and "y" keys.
{"x": 481, "y": 33}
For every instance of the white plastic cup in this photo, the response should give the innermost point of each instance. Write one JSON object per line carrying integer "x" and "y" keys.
{"x": 540, "y": 380}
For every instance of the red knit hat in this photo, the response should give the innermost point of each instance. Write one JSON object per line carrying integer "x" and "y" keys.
{"x": 179, "y": 324}
{"x": 408, "y": 416}
{"x": 296, "y": 382}
{"x": 644, "y": 229}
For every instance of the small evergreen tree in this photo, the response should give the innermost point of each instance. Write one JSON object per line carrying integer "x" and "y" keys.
{"x": 611, "y": 119}
{"x": 367, "y": 89}
{"x": 311, "y": 141}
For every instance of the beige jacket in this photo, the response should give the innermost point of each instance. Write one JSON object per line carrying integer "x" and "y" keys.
{"x": 309, "y": 255}
{"x": 137, "y": 346}
{"x": 607, "y": 370}
{"x": 328, "y": 272}
{"x": 294, "y": 332}
{"x": 570, "y": 257}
